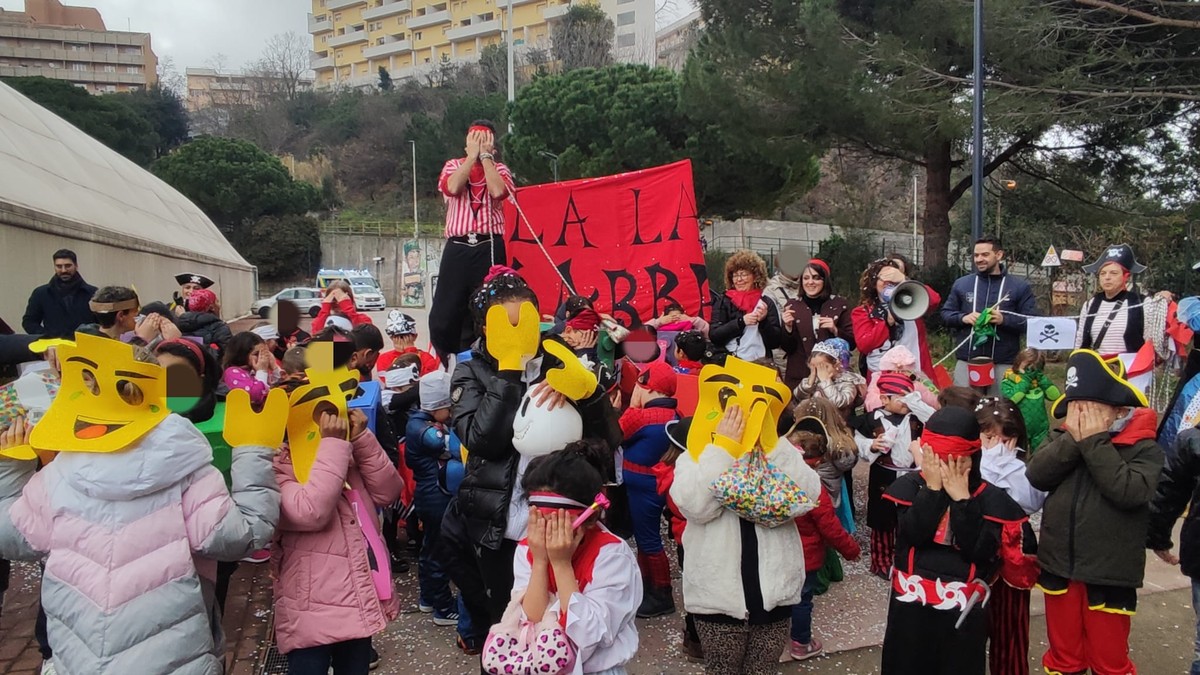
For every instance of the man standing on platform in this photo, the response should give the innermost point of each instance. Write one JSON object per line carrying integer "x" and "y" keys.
{"x": 474, "y": 188}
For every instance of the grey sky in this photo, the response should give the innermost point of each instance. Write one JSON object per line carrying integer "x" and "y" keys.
{"x": 193, "y": 32}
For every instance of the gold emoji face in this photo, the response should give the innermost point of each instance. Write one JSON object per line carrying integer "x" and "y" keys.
{"x": 756, "y": 389}
{"x": 108, "y": 399}
{"x": 326, "y": 391}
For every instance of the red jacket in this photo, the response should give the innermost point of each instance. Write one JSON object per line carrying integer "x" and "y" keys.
{"x": 346, "y": 305}
{"x": 664, "y": 475}
{"x": 871, "y": 333}
{"x": 820, "y": 528}
{"x": 429, "y": 362}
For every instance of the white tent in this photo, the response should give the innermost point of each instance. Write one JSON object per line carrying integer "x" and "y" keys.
{"x": 60, "y": 188}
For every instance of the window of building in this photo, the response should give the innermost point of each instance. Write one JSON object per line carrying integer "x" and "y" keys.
{"x": 79, "y": 66}
{"x": 626, "y": 40}
{"x": 76, "y": 47}
{"x": 625, "y": 18}
{"x": 324, "y": 38}
{"x": 133, "y": 70}
{"x": 417, "y": 36}
{"x": 487, "y": 17}
{"x": 338, "y": 54}
{"x": 337, "y": 16}
{"x": 132, "y": 50}
{"x": 110, "y": 69}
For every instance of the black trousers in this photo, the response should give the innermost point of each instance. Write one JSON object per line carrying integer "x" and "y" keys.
{"x": 457, "y": 553}
{"x": 352, "y": 657}
{"x": 460, "y": 274}
{"x": 921, "y": 639}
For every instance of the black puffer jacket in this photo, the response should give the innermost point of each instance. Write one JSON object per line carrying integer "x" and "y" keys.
{"x": 208, "y": 327}
{"x": 485, "y": 405}
{"x": 1179, "y": 488}
{"x": 1094, "y": 522}
{"x": 728, "y": 323}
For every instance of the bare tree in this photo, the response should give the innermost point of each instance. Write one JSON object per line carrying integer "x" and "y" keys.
{"x": 280, "y": 72}
{"x": 583, "y": 38}
{"x": 170, "y": 78}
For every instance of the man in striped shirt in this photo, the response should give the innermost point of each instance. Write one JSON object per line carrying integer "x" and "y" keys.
{"x": 474, "y": 188}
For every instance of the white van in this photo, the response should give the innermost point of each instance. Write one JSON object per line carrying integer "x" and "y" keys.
{"x": 368, "y": 296}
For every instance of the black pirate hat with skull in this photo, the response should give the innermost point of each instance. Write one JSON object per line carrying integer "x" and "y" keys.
{"x": 1091, "y": 378}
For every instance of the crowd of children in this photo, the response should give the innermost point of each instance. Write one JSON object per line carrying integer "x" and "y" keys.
{"x": 546, "y": 473}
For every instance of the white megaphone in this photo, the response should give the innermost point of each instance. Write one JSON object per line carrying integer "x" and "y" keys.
{"x": 910, "y": 301}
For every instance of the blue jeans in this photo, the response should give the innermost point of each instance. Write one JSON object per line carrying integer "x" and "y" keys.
{"x": 352, "y": 657}
{"x": 802, "y": 613}
{"x": 432, "y": 579}
{"x": 1196, "y": 606}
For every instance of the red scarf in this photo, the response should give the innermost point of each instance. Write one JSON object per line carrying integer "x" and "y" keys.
{"x": 745, "y": 300}
{"x": 584, "y": 560}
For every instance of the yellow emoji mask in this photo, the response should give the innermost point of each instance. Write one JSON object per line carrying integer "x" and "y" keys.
{"x": 326, "y": 391}
{"x": 513, "y": 345}
{"x": 108, "y": 399}
{"x": 755, "y": 388}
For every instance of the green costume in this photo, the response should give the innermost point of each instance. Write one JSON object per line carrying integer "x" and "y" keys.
{"x": 1030, "y": 391}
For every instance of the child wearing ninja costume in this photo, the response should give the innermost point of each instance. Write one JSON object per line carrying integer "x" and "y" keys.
{"x": 948, "y": 546}
{"x": 1101, "y": 473}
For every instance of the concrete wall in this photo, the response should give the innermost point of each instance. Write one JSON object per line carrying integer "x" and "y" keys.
{"x": 359, "y": 251}
{"x": 767, "y": 236}
{"x": 25, "y": 258}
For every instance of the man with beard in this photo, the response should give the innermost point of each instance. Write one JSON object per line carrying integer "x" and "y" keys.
{"x": 58, "y": 308}
{"x": 1007, "y": 299}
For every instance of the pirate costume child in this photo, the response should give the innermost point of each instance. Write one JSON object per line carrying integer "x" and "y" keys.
{"x": 948, "y": 549}
{"x": 188, "y": 282}
{"x": 1095, "y": 518}
{"x": 884, "y": 438}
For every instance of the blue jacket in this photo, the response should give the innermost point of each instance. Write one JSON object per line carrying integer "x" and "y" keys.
{"x": 425, "y": 451}
{"x": 962, "y": 301}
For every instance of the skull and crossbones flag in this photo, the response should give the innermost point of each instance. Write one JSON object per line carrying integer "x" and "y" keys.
{"x": 1051, "y": 332}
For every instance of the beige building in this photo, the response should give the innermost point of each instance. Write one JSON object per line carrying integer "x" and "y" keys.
{"x": 210, "y": 88}
{"x": 675, "y": 40}
{"x": 352, "y": 39}
{"x": 68, "y": 43}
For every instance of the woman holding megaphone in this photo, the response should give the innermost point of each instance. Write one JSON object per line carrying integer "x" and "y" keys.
{"x": 891, "y": 313}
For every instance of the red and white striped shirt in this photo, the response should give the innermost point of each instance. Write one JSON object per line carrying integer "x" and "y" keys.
{"x": 473, "y": 210}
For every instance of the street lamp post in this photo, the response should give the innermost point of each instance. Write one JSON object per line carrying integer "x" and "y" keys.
{"x": 977, "y": 129}
{"x": 553, "y": 162}
{"x": 512, "y": 85}
{"x": 416, "y": 228}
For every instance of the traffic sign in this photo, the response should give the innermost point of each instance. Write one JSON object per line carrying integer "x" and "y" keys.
{"x": 1051, "y": 259}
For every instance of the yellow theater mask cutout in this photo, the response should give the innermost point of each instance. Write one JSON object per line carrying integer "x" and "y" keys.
{"x": 328, "y": 390}
{"x": 108, "y": 399}
{"x": 754, "y": 388}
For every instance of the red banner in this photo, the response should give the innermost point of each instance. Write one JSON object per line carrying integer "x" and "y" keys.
{"x": 631, "y": 242}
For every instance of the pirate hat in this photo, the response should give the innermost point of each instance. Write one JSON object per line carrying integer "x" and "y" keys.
{"x": 1121, "y": 254}
{"x": 1091, "y": 378}
{"x": 190, "y": 278}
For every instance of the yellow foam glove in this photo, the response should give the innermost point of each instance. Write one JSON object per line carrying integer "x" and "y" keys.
{"x": 573, "y": 379}
{"x": 513, "y": 346}
{"x": 244, "y": 426}
{"x": 23, "y": 452}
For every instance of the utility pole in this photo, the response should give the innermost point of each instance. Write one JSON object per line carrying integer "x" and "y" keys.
{"x": 977, "y": 129}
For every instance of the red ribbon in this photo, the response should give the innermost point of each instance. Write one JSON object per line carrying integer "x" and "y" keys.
{"x": 952, "y": 446}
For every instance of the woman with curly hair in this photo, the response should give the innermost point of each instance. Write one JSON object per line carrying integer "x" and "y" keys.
{"x": 744, "y": 322}
{"x": 876, "y": 329}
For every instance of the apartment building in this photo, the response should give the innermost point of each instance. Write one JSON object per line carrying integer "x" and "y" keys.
{"x": 210, "y": 88}
{"x": 675, "y": 40}
{"x": 352, "y": 39}
{"x": 72, "y": 43}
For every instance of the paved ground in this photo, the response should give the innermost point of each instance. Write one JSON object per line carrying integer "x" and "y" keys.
{"x": 849, "y": 619}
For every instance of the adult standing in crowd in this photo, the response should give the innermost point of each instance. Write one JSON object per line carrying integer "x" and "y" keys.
{"x": 59, "y": 307}
{"x": 783, "y": 287}
{"x": 1118, "y": 320}
{"x": 474, "y": 188}
{"x": 744, "y": 323}
{"x": 815, "y": 315}
{"x": 876, "y": 329}
{"x": 188, "y": 282}
{"x": 1010, "y": 300}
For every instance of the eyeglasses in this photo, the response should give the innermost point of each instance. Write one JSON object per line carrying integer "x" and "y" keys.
{"x": 742, "y": 274}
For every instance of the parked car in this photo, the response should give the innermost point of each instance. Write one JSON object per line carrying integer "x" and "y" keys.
{"x": 307, "y": 300}
{"x": 368, "y": 298}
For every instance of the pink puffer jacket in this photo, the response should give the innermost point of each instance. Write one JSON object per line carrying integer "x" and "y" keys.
{"x": 323, "y": 588}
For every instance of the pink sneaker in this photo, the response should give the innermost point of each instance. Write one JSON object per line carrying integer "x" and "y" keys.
{"x": 800, "y": 651}
{"x": 258, "y": 557}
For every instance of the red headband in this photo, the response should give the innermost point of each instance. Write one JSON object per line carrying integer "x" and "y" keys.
{"x": 820, "y": 264}
{"x": 479, "y": 127}
{"x": 191, "y": 347}
{"x": 953, "y": 446}
{"x": 588, "y": 319}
